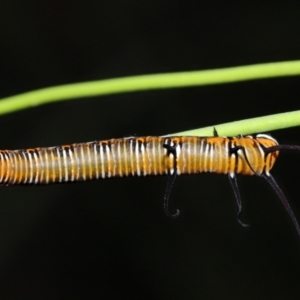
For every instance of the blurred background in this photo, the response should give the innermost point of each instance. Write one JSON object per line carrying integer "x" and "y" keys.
{"x": 110, "y": 239}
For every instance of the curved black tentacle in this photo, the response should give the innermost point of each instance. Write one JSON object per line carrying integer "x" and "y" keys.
{"x": 280, "y": 147}
{"x": 171, "y": 150}
{"x": 272, "y": 181}
{"x": 170, "y": 183}
{"x": 233, "y": 181}
{"x": 283, "y": 199}
{"x": 234, "y": 185}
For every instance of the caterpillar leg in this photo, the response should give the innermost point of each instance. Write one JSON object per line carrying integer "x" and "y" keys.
{"x": 234, "y": 185}
{"x": 171, "y": 150}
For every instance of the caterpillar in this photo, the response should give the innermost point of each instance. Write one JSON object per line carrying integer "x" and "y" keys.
{"x": 150, "y": 155}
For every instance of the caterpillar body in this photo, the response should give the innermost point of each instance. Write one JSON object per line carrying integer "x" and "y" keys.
{"x": 150, "y": 155}
{"x": 137, "y": 156}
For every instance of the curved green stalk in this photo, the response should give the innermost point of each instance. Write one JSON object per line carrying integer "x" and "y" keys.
{"x": 172, "y": 80}
{"x": 148, "y": 82}
{"x": 254, "y": 125}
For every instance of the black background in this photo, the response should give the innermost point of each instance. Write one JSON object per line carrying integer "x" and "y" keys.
{"x": 110, "y": 239}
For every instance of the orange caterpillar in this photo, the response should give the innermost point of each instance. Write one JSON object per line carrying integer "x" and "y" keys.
{"x": 151, "y": 155}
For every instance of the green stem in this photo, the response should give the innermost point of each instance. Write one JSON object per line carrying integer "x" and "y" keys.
{"x": 172, "y": 80}
{"x": 148, "y": 82}
{"x": 254, "y": 125}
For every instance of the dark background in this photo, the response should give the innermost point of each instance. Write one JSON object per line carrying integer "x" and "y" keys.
{"x": 110, "y": 239}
